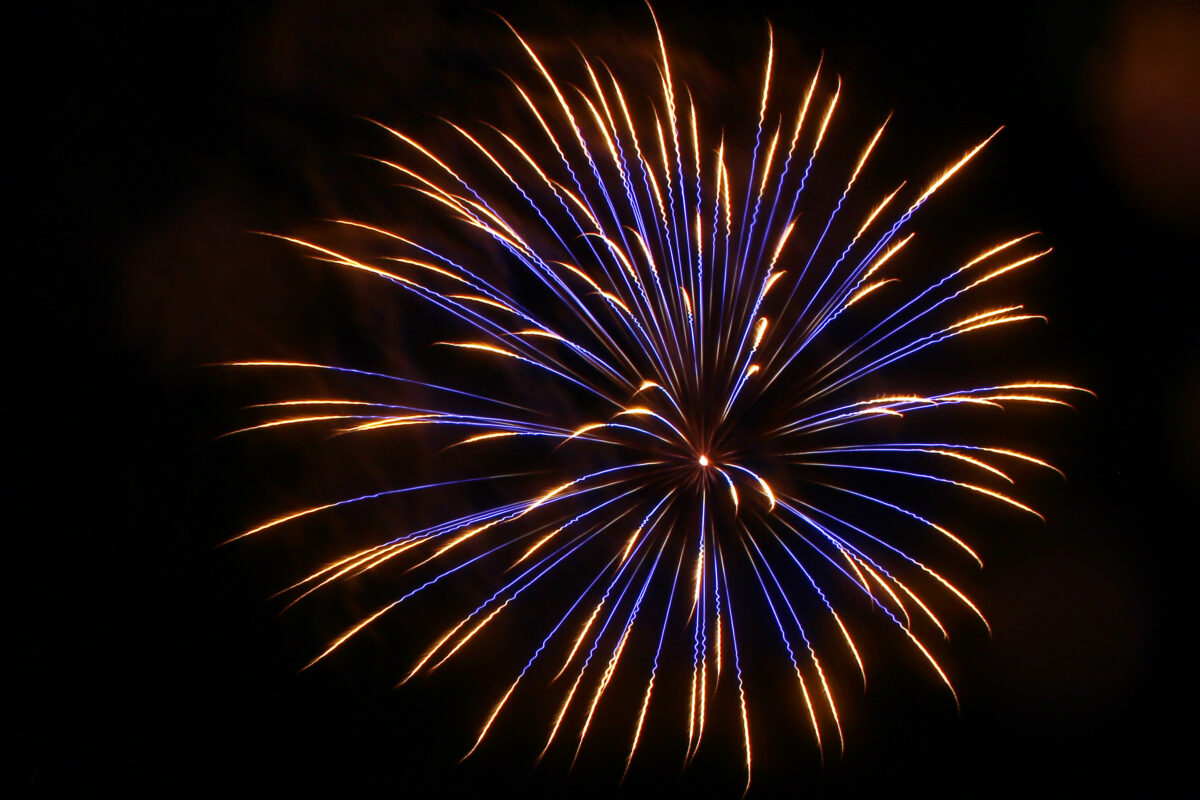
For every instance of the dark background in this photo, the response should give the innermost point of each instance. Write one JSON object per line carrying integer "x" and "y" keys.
{"x": 151, "y": 660}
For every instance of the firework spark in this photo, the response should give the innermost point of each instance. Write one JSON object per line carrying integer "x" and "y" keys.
{"x": 709, "y": 456}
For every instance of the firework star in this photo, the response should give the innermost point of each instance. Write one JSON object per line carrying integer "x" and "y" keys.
{"x": 682, "y": 378}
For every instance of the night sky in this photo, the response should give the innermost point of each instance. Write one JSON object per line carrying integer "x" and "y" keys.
{"x": 153, "y": 661}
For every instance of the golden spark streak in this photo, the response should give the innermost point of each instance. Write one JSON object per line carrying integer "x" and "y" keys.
{"x": 484, "y": 300}
{"x": 879, "y": 262}
{"x": 580, "y": 273}
{"x": 998, "y": 248}
{"x": 662, "y": 151}
{"x": 886, "y": 588}
{"x": 867, "y": 152}
{"x": 899, "y": 398}
{"x": 484, "y": 150}
{"x": 604, "y": 681}
{"x": 637, "y": 731}
{"x": 537, "y": 545}
{"x": 354, "y": 559}
{"x": 762, "y": 109}
{"x": 764, "y": 486}
{"x": 345, "y": 636}
{"x": 828, "y": 116}
{"x": 591, "y": 426}
{"x": 958, "y": 542}
{"x": 427, "y": 266}
{"x": 280, "y": 520}
{"x": 984, "y": 315}
{"x": 772, "y": 280}
{"x": 538, "y": 115}
{"x": 692, "y": 711}
{"x": 949, "y": 173}
{"x": 718, "y": 646}
{"x": 702, "y": 692}
{"x": 562, "y": 101}
{"x": 469, "y": 636}
{"x": 562, "y": 713}
{"x": 725, "y": 189}
{"x": 1002, "y": 497}
{"x": 338, "y": 258}
{"x": 971, "y": 460}
{"x": 315, "y": 402}
{"x": 629, "y": 546}
{"x": 954, "y": 589}
{"x": 431, "y": 652}
{"x": 419, "y": 147}
{"x": 1045, "y": 385}
{"x": 966, "y": 398}
{"x": 1008, "y": 268}
{"x": 649, "y": 256}
{"x": 923, "y": 607}
{"x": 530, "y": 160}
{"x": 1030, "y": 398}
{"x": 875, "y": 212}
{"x": 668, "y": 87}
{"x": 357, "y": 564}
{"x": 600, "y": 122}
{"x": 733, "y": 492}
{"x": 866, "y": 290}
{"x": 471, "y": 534}
{"x": 999, "y": 321}
{"x": 616, "y": 250}
{"x": 852, "y": 562}
{"x": 696, "y": 151}
{"x": 575, "y": 648}
{"x": 340, "y": 565}
{"x": 803, "y": 112}
{"x": 395, "y": 422}
{"x": 487, "y": 348}
{"x": 491, "y": 718}
{"x": 812, "y": 712}
{"x": 288, "y": 421}
{"x": 760, "y": 329}
{"x": 745, "y": 735}
{"x": 637, "y": 147}
{"x": 934, "y": 663}
{"x": 450, "y": 201}
{"x": 485, "y": 436}
{"x": 506, "y": 234}
{"x": 1023, "y": 457}
{"x": 608, "y": 115}
{"x": 767, "y": 166}
{"x": 617, "y": 302}
{"x": 783, "y": 238}
{"x": 829, "y": 698}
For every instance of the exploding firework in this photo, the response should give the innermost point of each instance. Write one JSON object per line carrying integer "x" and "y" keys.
{"x": 685, "y": 386}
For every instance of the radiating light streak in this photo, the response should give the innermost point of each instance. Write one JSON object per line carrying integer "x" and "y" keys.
{"x": 633, "y": 310}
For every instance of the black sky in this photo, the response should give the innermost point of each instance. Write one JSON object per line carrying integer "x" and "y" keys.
{"x": 152, "y": 661}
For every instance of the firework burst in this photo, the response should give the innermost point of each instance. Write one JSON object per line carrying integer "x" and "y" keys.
{"x": 686, "y": 381}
